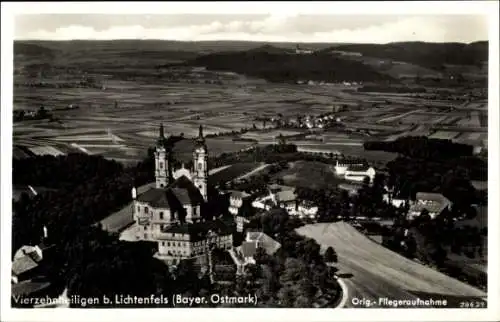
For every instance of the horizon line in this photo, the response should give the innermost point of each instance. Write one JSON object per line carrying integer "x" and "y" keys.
{"x": 255, "y": 41}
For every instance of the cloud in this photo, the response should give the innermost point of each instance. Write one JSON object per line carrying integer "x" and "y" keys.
{"x": 287, "y": 27}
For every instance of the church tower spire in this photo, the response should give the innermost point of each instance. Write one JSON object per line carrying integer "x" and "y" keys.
{"x": 162, "y": 161}
{"x": 200, "y": 162}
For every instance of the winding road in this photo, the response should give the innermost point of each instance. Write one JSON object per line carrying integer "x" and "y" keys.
{"x": 375, "y": 276}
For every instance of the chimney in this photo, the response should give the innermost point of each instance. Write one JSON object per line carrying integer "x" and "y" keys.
{"x": 134, "y": 193}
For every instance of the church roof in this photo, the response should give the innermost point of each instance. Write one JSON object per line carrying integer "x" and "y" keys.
{"x": 181, "y": 191}
{"x": 185, "y": 191}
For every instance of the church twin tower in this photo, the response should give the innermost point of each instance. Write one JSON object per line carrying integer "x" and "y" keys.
{"x": 163, "y": 163}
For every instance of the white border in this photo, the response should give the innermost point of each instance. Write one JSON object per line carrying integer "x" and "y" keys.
{"x": 488, "y": 8}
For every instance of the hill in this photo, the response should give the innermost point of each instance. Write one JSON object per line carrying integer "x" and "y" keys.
{"x": 277, "y": 65}
{"x": 429, "y": 55}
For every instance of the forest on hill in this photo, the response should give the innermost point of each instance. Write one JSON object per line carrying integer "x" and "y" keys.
{"x": 430, "y": 55}
{"x": 278, "y": 65}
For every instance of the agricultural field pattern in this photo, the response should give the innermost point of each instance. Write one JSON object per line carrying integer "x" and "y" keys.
{"x": 125, "y": 130}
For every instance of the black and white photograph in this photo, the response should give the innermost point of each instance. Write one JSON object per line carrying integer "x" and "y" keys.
{"x": 273, "y": 159}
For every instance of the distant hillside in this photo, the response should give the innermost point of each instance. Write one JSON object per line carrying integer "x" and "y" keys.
{"x": 276, "y": 65}
{"x": 429, "y": 55}
{"x": 33, "y": 50}
{"x": 165, "y": 45}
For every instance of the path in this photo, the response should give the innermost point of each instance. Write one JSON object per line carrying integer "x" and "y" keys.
{"x": 254, "y": 171}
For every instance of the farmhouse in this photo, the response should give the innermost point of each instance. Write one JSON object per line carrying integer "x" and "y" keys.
{"x": 26, "y": 276}
{"x": 396, "y": 202}
{"x": 354, "y": 172}
{"x": 307, "y": 209}
{"x": 282, "y": 196}
{"x": 170, "y": 213}
{"x": 434, "y": 203}
{"x": 244, "y": 255}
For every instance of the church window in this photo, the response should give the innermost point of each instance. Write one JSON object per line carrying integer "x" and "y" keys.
{"x": 161, "y": 185}
{"x": 200, "y": 165}
{"x": 161, "y": 165}
{"x": 161, "y": 214}
{"x": 146, "y": 210}
{"x": 168, "y": 244}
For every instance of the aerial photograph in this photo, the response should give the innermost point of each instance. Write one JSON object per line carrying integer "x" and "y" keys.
{"x": 249, "y": 161}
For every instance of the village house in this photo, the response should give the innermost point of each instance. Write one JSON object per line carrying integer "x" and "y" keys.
{"x": 356, "y": 172}
{"x": 243, "y": 255}
{"x": 26, "y": 276}
{"x": 434, "y": 203}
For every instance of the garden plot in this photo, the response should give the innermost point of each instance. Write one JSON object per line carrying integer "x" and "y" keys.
{"x": 469, "y": 136}
{"x": 417, "y": 118}
{"x": 45, "y": 150}
{"x": 451, "y": 120}
{"x": 473, "y": 121}
{"x": 445, "y": 135}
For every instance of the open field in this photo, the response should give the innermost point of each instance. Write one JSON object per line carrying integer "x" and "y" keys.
{"x": 378, "y": 272}
{"x": 120, "y": 119}
{"x": 309, "y": 174}
{"x": 233, "y": 172}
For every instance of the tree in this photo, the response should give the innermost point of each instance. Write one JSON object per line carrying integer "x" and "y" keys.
{"x": 330, "y": 255}
{"x": 294, "y": 271}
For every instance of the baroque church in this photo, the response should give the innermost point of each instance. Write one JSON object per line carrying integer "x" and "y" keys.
{"x": 170, "y": 212}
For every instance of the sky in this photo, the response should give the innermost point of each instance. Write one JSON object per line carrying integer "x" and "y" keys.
{"x": 285, "y": 27}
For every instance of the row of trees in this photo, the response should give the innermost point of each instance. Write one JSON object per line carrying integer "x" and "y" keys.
{"x": 421, "y": 147}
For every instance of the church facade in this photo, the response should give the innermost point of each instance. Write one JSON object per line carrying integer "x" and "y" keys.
{"x": 170, "y": 212}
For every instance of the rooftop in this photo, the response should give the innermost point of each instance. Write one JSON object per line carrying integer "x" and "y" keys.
{"x": 248, "y": 249}
{"x": 201, "y": 230}
{"x": 239, "y": 194}
{"x": 432, "y": 202}
{"x": 180, "y": 191}
{"x": 358, "y": 168}
{"x": 23, "y": 264}
{"x": 267, "y": 243}
{"x": 28, "y": 287}
{"x": 285, "y": 196}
